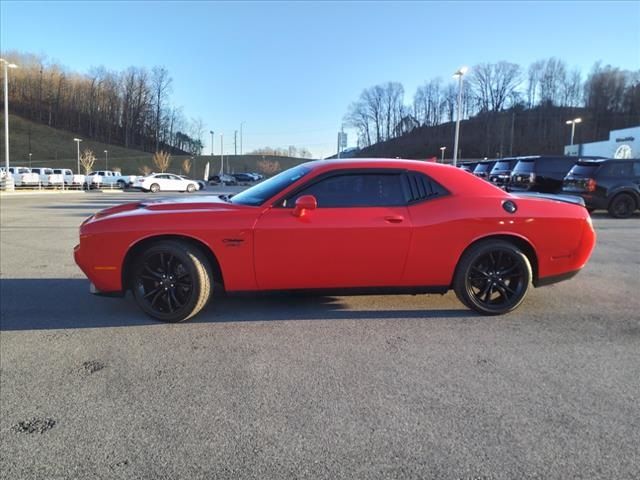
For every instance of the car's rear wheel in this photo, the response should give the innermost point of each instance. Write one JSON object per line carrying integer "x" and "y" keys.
{"x": 622, "y": 206}
{"x": 493, "y": 277}
{"x": 172, "y": 281}
{"x": 154, "y": 188}
{"x": 121, "y": 184}
{"x": 191, "y": 188}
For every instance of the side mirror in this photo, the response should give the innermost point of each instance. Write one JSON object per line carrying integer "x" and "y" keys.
{"x": 304, "y": 203}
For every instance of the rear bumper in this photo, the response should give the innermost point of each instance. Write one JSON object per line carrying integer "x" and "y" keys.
{"x": 543, "y": 282}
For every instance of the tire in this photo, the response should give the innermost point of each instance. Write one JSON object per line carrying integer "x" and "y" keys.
{"x": 493, "y": 277}
{"x": 622, "y": 206}
{"x": 154, "y": 188}
{"x": 171, "y": 281}
{"x": 121, "y": 184}
{"x": 191, "y": 188}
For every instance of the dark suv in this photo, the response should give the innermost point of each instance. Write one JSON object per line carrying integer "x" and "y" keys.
{"x": 613, "y": 185}
{"x": 483, "y": 169}
{"x": 501, "y": 171}
{"x": 541, "y": 174}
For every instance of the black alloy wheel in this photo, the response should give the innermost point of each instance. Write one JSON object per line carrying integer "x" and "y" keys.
{"x": 493, "y": 277}
{"x": 172, "y": 281}
{"x": 622, "y": 206}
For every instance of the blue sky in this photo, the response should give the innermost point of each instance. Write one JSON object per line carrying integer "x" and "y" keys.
{"x": 290, "y": 69}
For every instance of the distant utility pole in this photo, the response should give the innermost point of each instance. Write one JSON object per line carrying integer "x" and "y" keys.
{"x": 211, "y": 132}
{"x": 235, "y": 142}
{"x": 241, "y": 123}
{"x": 221, "y": 154}
{"x": 106, "y": 159}
{"x": 6, "y": 65}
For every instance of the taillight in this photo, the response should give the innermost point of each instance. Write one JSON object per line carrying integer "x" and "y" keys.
{"x": 591, "y": 185}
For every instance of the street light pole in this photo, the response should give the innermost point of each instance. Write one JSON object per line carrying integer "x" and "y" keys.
{"x": 221, "y": 154}
{"x": 442, "y": 149}
{"x": 7, "y": 65}
{"x": 78, "y": 140}
{"x": 241, "y": 124}
{"x": 459, "y": 74}
{"x": 211, "y": 132}
{"x": 30, "y": 160}
{"x": 106, "y": 159}
{"x": 235, "y": 142}
{"x": 573, "y": 126}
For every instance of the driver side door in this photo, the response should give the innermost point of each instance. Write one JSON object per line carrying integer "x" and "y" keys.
{"x": 358, "y": 236}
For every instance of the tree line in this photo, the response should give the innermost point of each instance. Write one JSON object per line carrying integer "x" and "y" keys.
{"x": 381, "y": 114}
{"x": 131, "y": 108}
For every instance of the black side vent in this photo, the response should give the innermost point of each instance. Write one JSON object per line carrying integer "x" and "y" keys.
{"x": 418, "y": 187}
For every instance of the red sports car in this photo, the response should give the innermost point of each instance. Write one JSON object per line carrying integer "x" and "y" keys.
{"x": 338, "y": 227}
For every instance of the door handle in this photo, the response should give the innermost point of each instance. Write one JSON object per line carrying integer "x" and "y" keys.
{"x": 394, "y": 218}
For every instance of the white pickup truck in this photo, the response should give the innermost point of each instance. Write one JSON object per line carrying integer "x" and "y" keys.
{"x": 70, "y": 179}
{"x": 47, "y": 177}
{"x": 23, "y": 177}
{"x": 108, "y": 178}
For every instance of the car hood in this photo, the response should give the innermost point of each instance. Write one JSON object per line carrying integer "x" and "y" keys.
{"x": 173, "y": 205}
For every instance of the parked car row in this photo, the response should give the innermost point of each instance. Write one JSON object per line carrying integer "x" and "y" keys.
{"x": 603, "y": 183}
{"x": 43, "y": 177}
{"x": 235, "y": 178}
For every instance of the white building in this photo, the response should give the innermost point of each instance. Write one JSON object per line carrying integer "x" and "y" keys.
{"x": 624, "y": 143}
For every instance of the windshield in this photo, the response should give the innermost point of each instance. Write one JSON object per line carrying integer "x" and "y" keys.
{"x": 260, "y": 193}
{"x": 482, "y": 167}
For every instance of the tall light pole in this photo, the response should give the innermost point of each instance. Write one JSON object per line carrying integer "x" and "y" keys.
{"x": 30, "y": 160}
{"x": 211, "y": 132}
{"x": 442, "y": 149}
{"x": 235, "y": 142}
{"x": 78, "y": 140}
{"x": 459, "y": 74}
{"x": 106, "y": 159}
{"x": 573, "y": 126}
{"x": 7, "y": 65}
{"x": 241, "y": 124}
{"x": 221, "y": 154}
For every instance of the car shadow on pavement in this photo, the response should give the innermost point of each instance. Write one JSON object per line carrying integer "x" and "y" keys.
{"x": 43, "y": 304}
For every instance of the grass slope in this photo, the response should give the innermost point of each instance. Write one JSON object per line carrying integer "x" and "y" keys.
{"x": 51, "y": 147}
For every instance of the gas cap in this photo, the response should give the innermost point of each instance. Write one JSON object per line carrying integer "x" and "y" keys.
{"x": 510, "y": 206}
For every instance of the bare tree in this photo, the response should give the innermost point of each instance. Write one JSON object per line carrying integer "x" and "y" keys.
{"x": 494, "y": 83}
{"x": 268, "y": 167}
{"x": 145, "y": 170}
{"x": 533, "y": 82}
{"x": 162, "y": 160}
{"x": 87, "y": 159}
{"x": 161, "y": 83}
{"x": 552, "y": 80}
{"x": 186, "y": 166}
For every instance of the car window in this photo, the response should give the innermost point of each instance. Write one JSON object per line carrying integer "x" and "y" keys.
{"x": 617, "y": 169}
{"x": 356, "y": 190}
{"x": 524, "y": 167}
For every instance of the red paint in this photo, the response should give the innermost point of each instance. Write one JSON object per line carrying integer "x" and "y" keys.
{"x": 415, "y": 245}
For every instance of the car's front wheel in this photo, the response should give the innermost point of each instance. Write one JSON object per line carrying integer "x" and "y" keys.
{"x": 191, "y": 188}
{"x": 493, "y": 277}
{"x": 172, "y": 281}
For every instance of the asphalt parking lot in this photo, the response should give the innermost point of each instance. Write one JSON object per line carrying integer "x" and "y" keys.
{"x": 326, "y": 387}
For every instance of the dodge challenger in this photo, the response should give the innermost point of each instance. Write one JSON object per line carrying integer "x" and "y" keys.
{"x": 338, "y": 227}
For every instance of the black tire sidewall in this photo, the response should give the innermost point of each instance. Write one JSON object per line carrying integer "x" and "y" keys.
{"x": 622, "y": 197}
{"x": 467, "y": 261}
{"x": 178, "y": 250}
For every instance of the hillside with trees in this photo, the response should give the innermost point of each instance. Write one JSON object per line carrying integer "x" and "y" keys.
{"x": 506, "y": 110}
{"x": 131, "y": 108}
